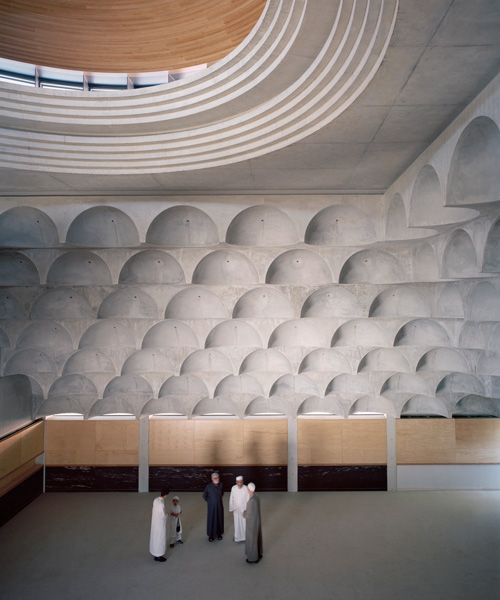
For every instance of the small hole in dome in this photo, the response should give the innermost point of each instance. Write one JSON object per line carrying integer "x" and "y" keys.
{"x": 135, "y": 296}
{"x": 187, "y": 220}
{"x": 38, "y": 221}
{"x": 158, "y": 261}
{"x": 112, "y": 220}
{"x": 90, "y": 262}
{"x": 71, "y": 297}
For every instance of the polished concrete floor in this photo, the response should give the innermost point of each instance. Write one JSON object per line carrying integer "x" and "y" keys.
{"x": 347, "y": 545}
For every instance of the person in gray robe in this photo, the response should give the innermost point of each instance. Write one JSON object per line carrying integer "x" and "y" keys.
{"x": 253, "y": 542}
{"x": 215, "y": 510}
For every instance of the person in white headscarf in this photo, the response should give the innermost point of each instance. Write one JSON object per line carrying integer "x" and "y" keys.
{"x": 237, "y": 504}
{"x": 158, "y": 537}
{"x": 175, "y": 522}
{"x": 253, "y": 543}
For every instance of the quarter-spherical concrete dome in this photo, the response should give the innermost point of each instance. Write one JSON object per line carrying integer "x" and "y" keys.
{"x": 261, "y": 406}
{"x": 340, "y": 225}
{"x": 165, "y": 405}
{"x": 4, "y": 339}
{"x": 61, "y": 303}
{"x": 314, "y": 405}
{"x": 170, "y": 334}
{"x": 79, "y": 267}
{"x": 225, "y": 267}
{"x": 484, "y": 302}
{"x": 408, "y": 383}
{"x": 265, "y": 361}
{"x": 101, "y": 227}
{"x": 426, "y": 266}
{"x": 128, "y": 303}
{"x": 44, "y": 334}
{"x": 298, "y": 333}
{"x": 325, "y": 360}
{"x": 74, "y": 384}
{"x": 262, "y": 226}
{"x": 27, "y": 227}
{"x": 372, "y": 266}
{"x": 114, "y": 405}
{"x": 238, "y": 384}
{"x": 384, "y": 359}
{"x": 491, "y": 255}
{"x": 152, "y": 266}
{"x": 89, "y": 360}
{"x": 147, "y": 360}
{"x": 107, "y": 334}
{"x": 460, "y": 383}
{"x": 195, "y": 303}
{"x": 299, "y": 267}
{"x": 206, "y": 361}
{"x": 235, "y": 333}
{"x": 423, "y": 406}
{"x": 361, "y": 332}
{"x": 350, "y": 383}
{"x": 264, "y": 302}
{"x": 422, "y": 332}
{"x": 216, "y": 407}
{"x": 332, "y": 301}
{"x": 17, "y": 269}
{"x": 30, "y": 362}
{"x": 395, "y": 225}
{"x": 10, "y": 307}
{"x": 373, "y": 404}
{"x": 443, "y": 359}
{"x": 182, "y": 226}
{"x": 474, "y": 405}
{"x": 459, "y": 257}
{"x": 183, "y": 385}
{"x": 450, "y": 303}
{"x": 400, "y": 301}
{"x": 294, "y": 384}
{"x": 130, "y": 384}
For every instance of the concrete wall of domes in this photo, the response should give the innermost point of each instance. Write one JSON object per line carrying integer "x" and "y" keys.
{"x": 195, "y": 303}
{"x": 299, "y": 267}
{"x": 27, "y": 227}
{"x": 79, "y": 267}
{"x": 207, "y": 361}
{"x": 443, "y": 359}
{"x": 239, "y": 384}
{"x": 44, "y": 334}
{"x": 422, "y": 332}
{"x": 297, "y": 333}
{"x": 294, "y": 385}
{"x": 185, "y": 385}
{"x": 340, "y": 225}
{"x": 262, "y": 225}
{"x": 152, "y": 266}
{"x": 103, "y": 227}
{"x": 108, "y": 334}
{"x": 182, "y": 226}
{"x": 87, "y": 361}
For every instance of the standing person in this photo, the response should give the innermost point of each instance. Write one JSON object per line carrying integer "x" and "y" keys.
{"x": 253, "y": 544}
{"x": 237, "y": 504}
{"x": 175, "y": 522}
{"x": 158, "y": 537}
{"x": 215, "y": 511}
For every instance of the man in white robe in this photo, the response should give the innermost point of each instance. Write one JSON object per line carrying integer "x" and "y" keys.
{"x": 237, "y": 504}
{"x": 175, "y": 522}
{"x": 158, "y": 537}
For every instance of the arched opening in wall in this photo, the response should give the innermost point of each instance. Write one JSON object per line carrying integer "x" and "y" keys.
{"x": 491, "y": 258}
{"x": 459, "y": 257}
{"x": 474, "y": 177}
{"x": 396, "y": 227}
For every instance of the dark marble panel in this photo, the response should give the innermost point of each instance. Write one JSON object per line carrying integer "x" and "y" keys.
{"x": 18, "y": 498}
{"x": 344, "y": 478}
{"x": 92, "y": 479}
{"x": 194, "y": 479}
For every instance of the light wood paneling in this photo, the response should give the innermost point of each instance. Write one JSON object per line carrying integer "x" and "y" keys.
{"x": 477, "y": 441}
{"x": 218, "y": 442}
{"x": 342, "y": 442}
{"x": 92, "y": 443}
{"x": 21, "y": 448}
{"x": 124, "y": 35}
{"x": 171, "y": 442}
{"x": 425, "y": 441}
{"x": 265, "y": 442}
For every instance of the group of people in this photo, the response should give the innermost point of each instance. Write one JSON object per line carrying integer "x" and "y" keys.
{"x": 244, "y": 504}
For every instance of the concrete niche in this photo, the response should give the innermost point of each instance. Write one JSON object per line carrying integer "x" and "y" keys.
{"x": 234, "y": 385}
{"x": 422, "y": 332}
{"x": 195, "y": 303}
{"x": 61, "y": 304}
{"x": 340, "y": 225}
{"x": 107, "y": 334}
{"x": 4, "y": 339}
{"x": 79, "y": 267}
{"x": 450, "y": 303}
{"x": 474, "y": 405}
{"x": 72, "y": 387}
{"x": 400, "y": 301}
{"x": 325, "y": 360}
{"x": 372, "y": 266}
{"x": 383, "y": 359}
{"x": 361, "y": 332}
{"x": 17, "y": 269}
{"x": 170, "y": 333}
{"x": 287, "y": 385}
{"x": 184, "y": 385}
{"x": 297, "y": 333}
{"x": 332, "y": 301}
{"x": 491, "y": 258}
{"x": 128, "y": 303}
{"x": 443, "y": 359}
{"x": 147, "y": 360}
{"x": 10, "y": 307}
{"x": 233, "y": 334}
{"x": 132, "y": 385}
{"x": 263, "y": 302}
{"x": 207, "y": 361}
{"x": 426, "y": 267}
{"x": 299, "y": 267}
{"x": 27, "y": 227}
{"x": 89, "y": 361}
{"x": 262, "y": 226}
{"x": 103, "y": 227}
{"x": 265, "y": 361}
{"x": 423, "y": 406}
{"x": 474, "y": 177}
{"x": 15, "y": 403}
{"x": 484, "y": 303}
{"x": 396, "y": 227}
{"x": 152, "y": 266}
{"x": 44, "y": 334}
{"x": 225, "y": 267}
{"x": 459, "y": 257}
{"x": 184, "y": 227}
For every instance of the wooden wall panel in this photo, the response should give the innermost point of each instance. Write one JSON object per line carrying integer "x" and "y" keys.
{"x": 92, "y": 443}
{"x": 218, "y": 442}
{"x": 265, "y": 442}
{"x": 477, "y": 441}
{"x": 20, "y": 448}
{"x": 171, "y": 442}
{"x": 342, "y": 442}
{"x": 425, "y": 441}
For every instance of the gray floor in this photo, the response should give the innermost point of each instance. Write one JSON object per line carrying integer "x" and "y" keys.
{"x": 349, "y": 545}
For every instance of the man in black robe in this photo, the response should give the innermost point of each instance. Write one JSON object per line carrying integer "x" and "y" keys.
{"x": 253, "y": 542}
{"x": 215, "y": 511}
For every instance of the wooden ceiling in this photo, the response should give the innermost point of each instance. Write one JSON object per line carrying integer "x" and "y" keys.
{"x": 124, "y": 36}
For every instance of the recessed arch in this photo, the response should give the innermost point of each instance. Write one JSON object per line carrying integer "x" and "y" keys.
{"x": 261, "y": 406}
{"x": 221, "y": 407}
{"x": 128, "y": 303}
{"x": 61, "y": 303}
{"x": 76, "y": 385}
{"x": 400, "y": 301}
{"x": 17, "y": 269}
{"x": 491, "y": 256}
{"x": 170, "y": 333}
{"x": 396, "y": 227}
{"x": 332, "y": 301}
{"x": 459, "y": 257}
{"x": 103, "y": 227}
{"x": 299, "y": 267}
{"x": 183, "y": 385}
{"x": 361, "y": 332}
{"x": 4, "y": 339}
{"x": 79, "y": 267}
{"x": 195, "y": 303}
{"x": 422, "y": 332}
{"x": 113, "y": 405}
{"x": 262, "y": 225}
{"x": 349, "y": 383}
{"x": 264, "y": 361}
{"x": 340, "y": 225}
{"x": 152, "y": 266}
{"x": 373, "y": 405}
{"x": 459, "y": 383}
{"x": 483, "y": 303}
{"x": 325, "y": 360}
{"x": 372, "y": 266}
{"x": 235, "y": 333}
{"x": 147, "y": 360}
{"x": 184, "y": 227}
{"x": 165, "y": 405}
{"x": 314, "y": 405}
{"x": 31, "y": 361}
{"x": 474, "y": 177}
{"x": 44, "y": 334}
{"x": 225, "y": 267}
{"x": 443, "y": 359}
{"x": 234, "y": 385}
{"x": 266, "y": 302}
{"x": 130, "y": 384}
{"x": 207, "y": 360}
{"x": 426, "y": 267}
{"x": 406, "y": 383}
{"x": 297, "y": 333}
{"x": 474, "y": 405}
{"x": 107, "y": 334}
{"x": 423, "y": 406}
{"x": 384, "y": 359}
{"x": 27, "y": 227}
{"x": 450, "y": 303}
{"x": 294, "y": 384}
{"x": 87, "y": 361}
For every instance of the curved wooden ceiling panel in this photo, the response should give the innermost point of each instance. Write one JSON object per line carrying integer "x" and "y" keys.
{"x": 124, "y": 36}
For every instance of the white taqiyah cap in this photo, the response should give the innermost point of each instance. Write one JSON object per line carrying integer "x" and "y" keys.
{"x": 251, "y": 487}
{"x": 240, "y": 477}
{"x": 175, "y": 498}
